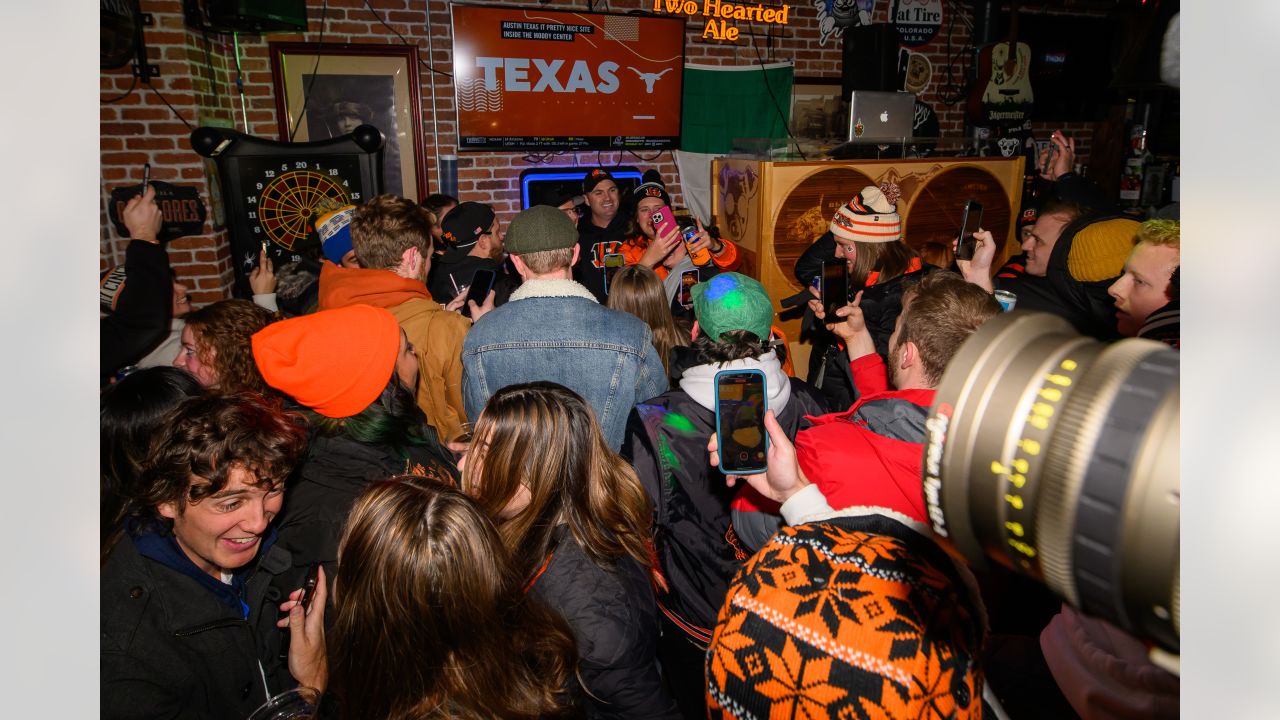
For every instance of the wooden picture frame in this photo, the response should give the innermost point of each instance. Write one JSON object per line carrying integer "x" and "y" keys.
{"x": 324, "y": 90}
{"x": 819, "y": 110}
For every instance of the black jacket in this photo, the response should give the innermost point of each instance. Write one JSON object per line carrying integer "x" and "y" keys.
{"x": 615, "y": 623}
{"x": 141, "y": 318}
{"x": 337, "y": 469}
{"x": 172, "y": 648}
{"x": 457, "y": 268}
{"x": 593, "y": 244}
{"x": 1086, "y": 305}
{"x": 698, "y": 548}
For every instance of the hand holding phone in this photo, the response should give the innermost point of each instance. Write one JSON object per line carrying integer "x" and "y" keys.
{"x": 481, "y": 283}
{"x": 970, "y": 222}
{"x": 741, "y": 401}
{"x": 783, "y": 478}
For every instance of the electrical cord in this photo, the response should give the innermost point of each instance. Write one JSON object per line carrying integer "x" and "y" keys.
{"x": 306, "y": 95}
{"x": 404, "y": 42}
{"x": 164, "y": 100}
{"x": 133, "y": 84}
{"x": 776, "y": 106}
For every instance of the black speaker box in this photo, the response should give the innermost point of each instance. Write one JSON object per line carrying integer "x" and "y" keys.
{"x": 256, "y": 16}
{"x": 871, "y": 59}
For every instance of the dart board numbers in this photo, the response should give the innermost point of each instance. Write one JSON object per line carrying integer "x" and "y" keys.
{"x": 276, "y": 191}
{"x": 284, "y": 198}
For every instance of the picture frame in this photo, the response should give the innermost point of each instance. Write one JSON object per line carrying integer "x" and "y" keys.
{"x": 819, "y": 110}
{"x": 324, "y": 90}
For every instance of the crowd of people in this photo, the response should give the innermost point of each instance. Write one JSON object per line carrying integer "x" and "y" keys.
{"x": 422, "y": 505}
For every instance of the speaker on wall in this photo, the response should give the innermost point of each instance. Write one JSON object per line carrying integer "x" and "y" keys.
{"x": 774, "y": 211}
{"x": 250, "y": 16}
{"x": 870, "y": 59}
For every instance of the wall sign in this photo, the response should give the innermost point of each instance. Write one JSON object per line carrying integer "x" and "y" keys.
{"x": 834, "y": 16}
{"x": 180, "y": 205}
{"x": 917, "y": 21}
{"x": 721, "y": 15}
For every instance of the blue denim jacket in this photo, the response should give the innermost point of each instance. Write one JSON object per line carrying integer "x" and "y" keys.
{"x": 554, "y": 330}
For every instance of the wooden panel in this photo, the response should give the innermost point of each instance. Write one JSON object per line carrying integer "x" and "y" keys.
{"x": 775, "y": 210}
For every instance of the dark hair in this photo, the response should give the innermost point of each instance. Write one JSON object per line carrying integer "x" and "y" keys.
{"x": 130, "y": 413}
{"x": 208, "y": 436}
{"x": 545, "y": 437}
{"x": 436, "y": 202}
{"x": 429, "y": 620}
{"x": 939, "y": 313}
{"x": 393, "y": 419}
{"x": 223, "y": 333}
{"x": 733, "y": 345}
{"x": 1071, "y": 210}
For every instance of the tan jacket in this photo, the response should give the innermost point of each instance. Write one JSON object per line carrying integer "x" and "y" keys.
{"x": 436, "y": 335}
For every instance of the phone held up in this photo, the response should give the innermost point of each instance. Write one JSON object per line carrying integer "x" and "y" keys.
{"x": 613, "y": 262}
{"x": 481, "y": 283}
{"x": 688, "y": 279}
{"x": 833, "y": 289}
{"x": 663, "y": 221}
{"x": 309, "y": 587}
{"x": 741, "y": 400}
{"x": 970, "y": 223}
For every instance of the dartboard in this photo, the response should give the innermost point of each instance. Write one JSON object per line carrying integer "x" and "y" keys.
{"x": 275, "y": 191}
{"x": 285, "y": 199}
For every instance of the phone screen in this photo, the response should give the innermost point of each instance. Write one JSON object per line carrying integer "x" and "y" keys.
{"x": 688, "y": 279}
{"x": 970, "y": 223}
{"x": 481, "y": 284}
{"x": 613, "y": 262}
{"x": 834, "y": 289}
{"x": 740, "y": 405}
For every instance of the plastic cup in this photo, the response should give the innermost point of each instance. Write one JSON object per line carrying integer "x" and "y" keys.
{"x": 296, "y": 704}
{"x": 1006, "y": 299}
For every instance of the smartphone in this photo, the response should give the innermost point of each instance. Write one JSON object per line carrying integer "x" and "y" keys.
{"x": 834, "y": 289}
{"x": 688, "y": 279}
{"x": 146, "y": 178}
{"x": 481, "y": 283}
{"x": 970, "y": 223}
{"x": 309, "y": 586}
{"x": 613, "y": 262}
{"x": 741, "y": 400}
{"x": 1048, "y": 157}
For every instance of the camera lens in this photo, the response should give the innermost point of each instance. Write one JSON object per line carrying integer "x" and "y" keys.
{"x": 1057, "y": 456}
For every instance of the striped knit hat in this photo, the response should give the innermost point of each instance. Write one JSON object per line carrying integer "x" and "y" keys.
{"x": 856, "y": 616}
{"x": 869, "y": 217}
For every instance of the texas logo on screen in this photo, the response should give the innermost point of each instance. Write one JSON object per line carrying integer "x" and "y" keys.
{"x": 529, "y": 79}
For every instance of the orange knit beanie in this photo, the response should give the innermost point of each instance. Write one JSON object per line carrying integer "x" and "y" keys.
{"x": 336, "y": 362}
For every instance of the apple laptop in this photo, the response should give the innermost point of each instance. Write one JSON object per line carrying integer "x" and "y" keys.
{"x": 881, "y": 117}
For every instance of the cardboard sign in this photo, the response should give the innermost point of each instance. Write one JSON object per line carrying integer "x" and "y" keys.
{"x": 183, "y": 210}
{"x": 541, "y": 79}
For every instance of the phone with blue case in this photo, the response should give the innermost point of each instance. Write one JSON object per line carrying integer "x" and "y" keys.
{"x": 741, "y": 400}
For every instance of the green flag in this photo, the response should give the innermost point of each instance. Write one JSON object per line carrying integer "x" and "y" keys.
{"x": 722, "y": 104}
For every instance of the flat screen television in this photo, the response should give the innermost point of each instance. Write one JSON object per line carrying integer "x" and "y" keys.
{"x": 534, "y": 79}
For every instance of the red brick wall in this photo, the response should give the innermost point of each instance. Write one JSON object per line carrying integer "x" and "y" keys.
{"x": 198, "y": 79}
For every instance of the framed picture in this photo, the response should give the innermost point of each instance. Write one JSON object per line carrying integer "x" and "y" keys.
{"x": 326, "y": 90}
{"x": 819, "y": 110}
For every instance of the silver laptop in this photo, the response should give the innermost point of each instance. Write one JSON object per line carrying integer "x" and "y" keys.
{"x": 881, "y": 116}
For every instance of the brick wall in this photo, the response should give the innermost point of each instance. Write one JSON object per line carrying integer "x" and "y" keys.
{"x": 198, "y": 79}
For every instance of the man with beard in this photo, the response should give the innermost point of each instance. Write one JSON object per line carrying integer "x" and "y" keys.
{"x": 600, "y": 231}
{"x": 473, "y": 240}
